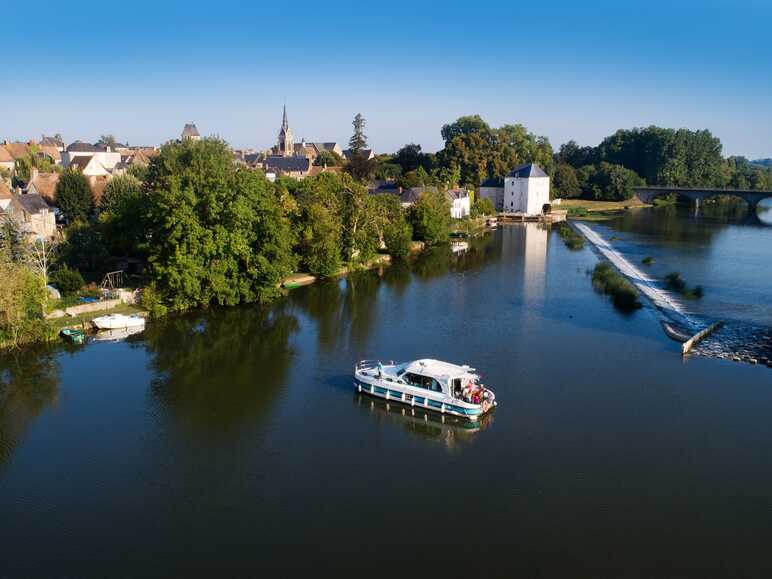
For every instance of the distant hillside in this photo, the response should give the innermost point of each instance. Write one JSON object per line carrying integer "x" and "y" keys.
{"x": 762, "y": 162}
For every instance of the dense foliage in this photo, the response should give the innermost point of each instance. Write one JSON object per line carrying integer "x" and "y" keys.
{"x": 430, "y": 218}
{"x": 22, "y": 297}
{"x": 68, "y": 281}
{"x": 73, "y": 196}
{"x": 218, "y": 233}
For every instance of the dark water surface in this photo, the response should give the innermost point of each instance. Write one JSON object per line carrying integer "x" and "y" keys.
{"x": 231, "y": 442}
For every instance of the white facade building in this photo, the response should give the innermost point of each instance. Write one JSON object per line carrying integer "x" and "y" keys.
{"x": 460, "y": 204}
{"x": 526, "y": 190}
{"x": 104, "y": 156}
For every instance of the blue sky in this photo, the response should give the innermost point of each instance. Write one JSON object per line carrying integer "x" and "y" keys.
{"x": 564, "y": 69}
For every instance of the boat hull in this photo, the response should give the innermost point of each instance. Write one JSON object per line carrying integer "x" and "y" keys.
{"x": 467, "y": 411}
{"x": 118, "y": 322}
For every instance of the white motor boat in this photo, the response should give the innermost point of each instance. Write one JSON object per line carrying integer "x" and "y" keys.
{"x": 431, "y": 384}
{"x": 118, "y": 322}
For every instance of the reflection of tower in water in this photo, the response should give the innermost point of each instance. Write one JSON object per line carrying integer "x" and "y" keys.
{"x": 525, "y": 245}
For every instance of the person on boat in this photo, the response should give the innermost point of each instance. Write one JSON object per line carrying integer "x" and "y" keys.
{"x": 380, "y": 370}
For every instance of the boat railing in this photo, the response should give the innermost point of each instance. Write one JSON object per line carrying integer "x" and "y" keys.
{"x": 373, "y": 364}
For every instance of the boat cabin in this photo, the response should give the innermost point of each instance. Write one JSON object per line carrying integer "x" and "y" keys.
{"x": 436, "y": 376}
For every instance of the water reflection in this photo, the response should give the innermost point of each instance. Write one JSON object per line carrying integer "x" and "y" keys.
{"x": 451, "y": 431}
{"x": 29, "y": 383}
{"x": 217, "y": 369}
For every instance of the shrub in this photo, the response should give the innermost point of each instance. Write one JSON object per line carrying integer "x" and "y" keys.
{"x": 68, "y": 281}
{"x": 398, "y": 238}
{"x": 674, "y": 282}
{"x": 648, "y": 260}
{"x": 607, "y": 281}
{"x": 152, "y": 301}
{"x": 573, "y": 240}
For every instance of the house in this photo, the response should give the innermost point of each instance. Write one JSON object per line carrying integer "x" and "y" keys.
{"x": 90, "y": 166}
{"x": 526, "y": 190}
{"x": 103, "y": 155}
{"x": 190, "y": 131}
{"x": 55, "y": 141}
{"x": 43, "y": 184}
{"x": 295, "y": 167}
{"x": 460, "y": 203}
{"x": 493, "y": 190}
{"x": 7, "y": 161}
{"x": 32, "y": 215}
{"x": 51, "y": 152}
{"x": 98, "y": 184}
{"x": 5, "y": 196}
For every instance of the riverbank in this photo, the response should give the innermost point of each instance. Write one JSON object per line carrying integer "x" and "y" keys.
{"x": 589, "y": 210}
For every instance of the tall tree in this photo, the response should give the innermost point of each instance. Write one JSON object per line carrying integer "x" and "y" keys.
{"x": 218, "y": 233}
{"x": 358, "y": 140}
{"x": 73, "y": 196}
{"x": 430, "y": 218}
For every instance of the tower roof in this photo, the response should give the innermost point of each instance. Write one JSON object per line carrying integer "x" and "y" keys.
{"x": 190, "y": 130}
{"x": 526, "y": 171}
{"x": 284, "y": 122}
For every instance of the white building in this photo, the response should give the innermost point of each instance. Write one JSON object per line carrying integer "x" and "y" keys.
{"x": 102, "y": 156}
{"x": 526, "y": 190}
{"x": 460, "y": 204}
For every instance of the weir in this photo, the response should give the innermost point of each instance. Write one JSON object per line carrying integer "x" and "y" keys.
{"x": 669, "y": 306}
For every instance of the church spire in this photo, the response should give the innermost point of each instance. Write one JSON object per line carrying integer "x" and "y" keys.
{"x": 284, "y": 123}
{"x": 286, "y": 145}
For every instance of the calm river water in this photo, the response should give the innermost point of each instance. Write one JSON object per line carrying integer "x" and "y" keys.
{"x": 231, "y": 442}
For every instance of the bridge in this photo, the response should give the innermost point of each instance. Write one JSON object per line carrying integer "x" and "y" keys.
{"x": 699, "y": 194}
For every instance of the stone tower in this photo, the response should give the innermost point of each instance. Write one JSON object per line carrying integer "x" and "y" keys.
{"x": 286, "y": 140}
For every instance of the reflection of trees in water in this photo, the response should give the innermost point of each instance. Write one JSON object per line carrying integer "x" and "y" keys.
{"x": 670, "y": 223}
{"x": 29, "y": 382}
{"x": 343, "y": 309}
{"x": 222, "y": 367}
{"x": 438, "y": 261}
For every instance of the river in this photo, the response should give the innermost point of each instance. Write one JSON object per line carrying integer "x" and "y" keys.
{"x": 231, "y": 442}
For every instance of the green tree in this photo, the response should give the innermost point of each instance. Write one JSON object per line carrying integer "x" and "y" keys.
{"x": 124, "y": 207}
{"x": 118, "y": 190}
{"x": 397, "y": 237}
{"x": 73, "y": 196}
{"x": 483, "y": 206}
{"x": 320, "y": 242}
{"x": 565, "y": 183}
{"x": 22, "y": 295}
{"x": 108, "y": 140}
{"x": 430, "y": 218}
{"x": 358, "y": 140}
{"x": 68, "y": 281}
{"x": 328, "y": 159}
{"x": 219, "y": 233}
{"x": 607, "y": 182}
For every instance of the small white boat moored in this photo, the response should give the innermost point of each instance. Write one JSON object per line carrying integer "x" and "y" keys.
{"x": 118, "y": 322}
{"x": 431, "y": 384}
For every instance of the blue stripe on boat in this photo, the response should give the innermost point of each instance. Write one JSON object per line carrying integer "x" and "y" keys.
{"x": 395, "y": 394}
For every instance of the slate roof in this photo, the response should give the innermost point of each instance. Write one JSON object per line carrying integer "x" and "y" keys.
{"x": 81, "y": 147}
{"x": 530, "y": 170}
{"x": 452, "y": 194}
{"x": 51, "y": 141}
{"x": 81, "y": 162}
{"x": 493, "y": 182}
{"x": 287, "y": 164}
{"x": 32, "y": 203}
{"x": 190, "y": 130}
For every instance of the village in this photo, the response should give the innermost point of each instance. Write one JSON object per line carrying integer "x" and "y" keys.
{"x": 37, "y": 178}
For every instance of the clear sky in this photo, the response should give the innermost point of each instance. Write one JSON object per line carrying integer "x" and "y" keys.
{"x": 565, "y": 69}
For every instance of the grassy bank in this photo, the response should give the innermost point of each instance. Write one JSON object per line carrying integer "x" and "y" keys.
{"x": 588, "y": 210}
{"x": 572, "y": 238}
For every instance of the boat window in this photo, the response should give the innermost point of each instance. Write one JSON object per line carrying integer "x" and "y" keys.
{"x": 436, "y": 386}
{"x": 457, "y": 388}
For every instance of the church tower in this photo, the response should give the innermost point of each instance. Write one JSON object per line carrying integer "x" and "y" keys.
{"x": 286, "y": 140}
